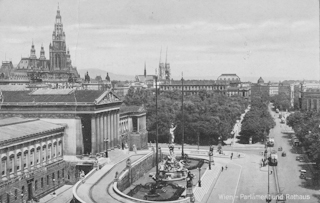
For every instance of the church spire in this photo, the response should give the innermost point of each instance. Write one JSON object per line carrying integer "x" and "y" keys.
{"x": 32, "y": 51}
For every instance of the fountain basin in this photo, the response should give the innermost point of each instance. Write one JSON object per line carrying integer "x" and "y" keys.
{"x": 169, "y": 176}
{"x": 167, "y": 192}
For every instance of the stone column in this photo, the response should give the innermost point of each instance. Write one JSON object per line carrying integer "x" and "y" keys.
{"x": 118, "y": 128}
{"x": 105, "y": 132}
{"x": 7, "y": 165}
{"x": 15, "y": 162}
{"x": 61, "y": 147}
{"x": 98, "y": 133}
{"x": 29, "y": 157}
{"x": 93, "y": 135}
{"x": 111, "y": 131}
{"x": 115, "y": 129}
{"x": 101, "y": 133}
{"x": 1, "y": 166}
{"x": 21, "y": 160}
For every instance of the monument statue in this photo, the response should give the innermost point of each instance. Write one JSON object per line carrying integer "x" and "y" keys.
{"x": 173, "y": 127}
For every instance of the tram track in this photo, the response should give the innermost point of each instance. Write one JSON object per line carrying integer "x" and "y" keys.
{"x": 276, "y": 178}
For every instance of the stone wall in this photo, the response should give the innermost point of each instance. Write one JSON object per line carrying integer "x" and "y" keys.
{"x": 139, "y": 139}
{"x": 137, "y": 171}
{"x": 72, "y": 140}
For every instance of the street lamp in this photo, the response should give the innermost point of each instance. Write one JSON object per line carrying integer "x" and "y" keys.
{"x": 107, "y": 142}
{"x": 198, "y": 139}
{"x": 54, "y": 191}
{"x": 199, "y": 182}
{"x": 182, "y": 151}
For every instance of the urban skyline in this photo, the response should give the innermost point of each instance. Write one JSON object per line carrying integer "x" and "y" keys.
{"x": 251, "y": 38}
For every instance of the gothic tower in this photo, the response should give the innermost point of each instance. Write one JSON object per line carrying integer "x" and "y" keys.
{"x": 42, "y": 59}
{"x": 58, "y": 54}
{"x": 33, "y": 52}
{"x": 33, "y": 57}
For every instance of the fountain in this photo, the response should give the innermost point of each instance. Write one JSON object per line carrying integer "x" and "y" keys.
{"x": 171, "y": 169}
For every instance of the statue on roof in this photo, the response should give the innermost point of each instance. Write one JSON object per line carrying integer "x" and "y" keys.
{"x": 107, "y": 78}
{"x": 87, "y": 77}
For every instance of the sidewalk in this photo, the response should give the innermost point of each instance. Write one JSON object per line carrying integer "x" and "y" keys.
{"x": 207, "y": 181}
{"x": 223, "y": 191}
{"x": 63, "y": 195}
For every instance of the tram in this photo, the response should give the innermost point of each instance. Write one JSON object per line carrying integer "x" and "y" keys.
{"x": 270, "y": 142}
{"x": 273, "y": 160}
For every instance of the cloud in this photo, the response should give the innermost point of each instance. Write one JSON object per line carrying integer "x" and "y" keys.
{"x": 22, "y": 28}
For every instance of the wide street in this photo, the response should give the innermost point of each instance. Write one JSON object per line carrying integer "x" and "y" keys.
{"x": 253, "y": 183}
{"x": 288, "y": 167}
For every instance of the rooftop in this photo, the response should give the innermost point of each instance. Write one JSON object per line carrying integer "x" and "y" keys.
{"x": 131, "y": 109}
{"x": 14, "y": 127}
{"x": 50, "y": 96}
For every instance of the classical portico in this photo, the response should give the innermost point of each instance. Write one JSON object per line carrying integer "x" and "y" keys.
{"x": 91, "y": 116}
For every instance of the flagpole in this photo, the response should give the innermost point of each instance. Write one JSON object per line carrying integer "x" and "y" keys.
{"x": 157, "y": 170}
{"x": 182, "y": 106}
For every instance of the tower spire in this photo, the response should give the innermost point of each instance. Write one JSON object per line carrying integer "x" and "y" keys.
{"x": 166, "y": 54}
{"x": 160, "y": 55}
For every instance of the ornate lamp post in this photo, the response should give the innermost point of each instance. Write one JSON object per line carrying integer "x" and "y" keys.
{"x": 268, "y": 199}
{"x": 210, "y": 156}
{"x": 54, "y": 190}
{"x": 157, "y": 148}
{"x": 107, "y": 143}
{"x": 199, "y": 181}
{"x": 182, "y": 107}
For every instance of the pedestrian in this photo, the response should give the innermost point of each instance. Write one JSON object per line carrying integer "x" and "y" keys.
{"x": 221, "y": 168}
{"x": 239, "y": 156}
{"x": 226, "y": 167}
{"x": 231, "y": 157}
{"x": 134, "y": 148}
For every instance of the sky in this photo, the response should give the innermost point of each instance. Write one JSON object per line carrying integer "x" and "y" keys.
{"x": 204, "y": 39}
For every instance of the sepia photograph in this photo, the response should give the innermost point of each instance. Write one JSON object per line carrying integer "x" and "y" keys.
{"x": 171, "y": 101}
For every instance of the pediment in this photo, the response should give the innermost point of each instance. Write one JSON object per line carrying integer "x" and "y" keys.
{"x": 107, "y": 97}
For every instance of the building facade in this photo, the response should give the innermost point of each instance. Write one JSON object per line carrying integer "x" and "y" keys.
{"x": 58, "y": 68}
{"x": 288, "y": 90}
{"x": 92, "y": 116}
{"x": 262, "y": 88}
{"x": 132, "y": 127}
{"x": 31, "y": 159}
{"x": 220, "y": 86}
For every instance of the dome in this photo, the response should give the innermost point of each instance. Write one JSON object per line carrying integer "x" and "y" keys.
{"x": 260, "y": 81}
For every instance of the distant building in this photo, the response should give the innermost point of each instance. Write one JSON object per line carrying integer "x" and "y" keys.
{"x": 58, "y": 68}
{"x": 229, "y": 78}
{"x": 6, "y": 69}
{"x": 90, "y": 115}
{"x": 262, "y": 88}
{"x": 273, "y": 88}
{"x": 225, "y": 87}
{"x": 310, "y": 96}
{"x": 132, "y": 126}
{"x": 145, "y": 81}
{"x": 288, "y": 90}
{"x": 32, "y": 162}
{"x": 311, "y": 99}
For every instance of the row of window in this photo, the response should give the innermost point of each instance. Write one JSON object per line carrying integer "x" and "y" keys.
{"x": 36, "y": 187}
{"x": 25, "y": 159}
{"x": 209, "y": 87}
{"x": 233, "y": 79}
